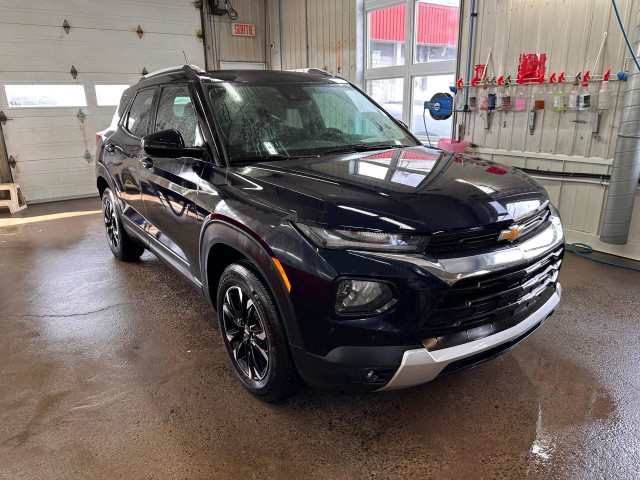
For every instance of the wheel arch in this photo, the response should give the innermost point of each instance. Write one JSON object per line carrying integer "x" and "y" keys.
{"x": 102, "y": 184}
{"x": 103, "y": 179}
{"x": 224, "y": 242}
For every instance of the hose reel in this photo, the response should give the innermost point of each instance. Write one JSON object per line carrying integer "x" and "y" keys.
{"x": 440, "y": 106}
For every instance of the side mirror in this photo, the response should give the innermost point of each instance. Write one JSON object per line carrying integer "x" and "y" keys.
{"x": 169, "y": 144}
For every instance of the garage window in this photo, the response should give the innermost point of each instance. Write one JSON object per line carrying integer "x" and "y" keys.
{"x": 41, "y": 95}
{"x": 424, "y": 88}
{"x": 109, "y": 95}
{"x": 411, "y": 53}
{"x": 436, "y": 30}
{"x": 387, "y": 92}
{"x": 385, "y": 37}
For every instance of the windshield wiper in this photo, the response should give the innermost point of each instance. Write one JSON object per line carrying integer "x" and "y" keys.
{"x": 349, "y": 149}
{"x": 269, "y": 158}
{"x": 378, "y": 146}
{"x": 364, "y": 148}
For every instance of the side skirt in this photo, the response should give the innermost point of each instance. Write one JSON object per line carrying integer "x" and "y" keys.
{"x": 162, "y": 252}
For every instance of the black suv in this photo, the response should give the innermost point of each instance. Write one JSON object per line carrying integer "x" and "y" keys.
{"x": 333, "y": 245}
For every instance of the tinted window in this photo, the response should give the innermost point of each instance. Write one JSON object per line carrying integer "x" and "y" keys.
{"x": 140, "y": 112}
{"x": 175, "y": 110}
{"x": 290, "y": 119}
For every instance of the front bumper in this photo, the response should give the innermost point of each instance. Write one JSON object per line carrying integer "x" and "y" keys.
{"x": 398, "y": 367}
{"x": 388, "y": 351}
{"x": 420, "y": 365}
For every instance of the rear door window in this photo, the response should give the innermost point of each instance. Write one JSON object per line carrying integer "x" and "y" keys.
{"x": 175, "y": 110}
{"x": 140, "y": 113}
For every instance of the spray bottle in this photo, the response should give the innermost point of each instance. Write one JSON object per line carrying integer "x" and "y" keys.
{"x": 574, "y": 95}
{"x": 484, "y": 97}
{"x": 604, "y": 95}
{"x": 521, "y": 98}
{"x": 492, "y": 94}
{"x": 540, "y": 95}
{"x": 585, "y": 95}
{"x": 473, "y": 98}
{"x": 551, "y": 90}
{"x": 558, "y": 96}
{"x": 504, "y": 96}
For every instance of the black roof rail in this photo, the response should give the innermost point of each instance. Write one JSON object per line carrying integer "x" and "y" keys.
{"x": 177, "y": 68}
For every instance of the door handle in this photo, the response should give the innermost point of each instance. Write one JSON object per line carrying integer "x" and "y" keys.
{"x": 147, "y": 163}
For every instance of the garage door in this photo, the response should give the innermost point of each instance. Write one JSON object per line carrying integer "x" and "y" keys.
{"x": 53, "y": 56}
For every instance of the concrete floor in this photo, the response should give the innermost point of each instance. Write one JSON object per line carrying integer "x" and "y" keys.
{"x": 110, "y": 370}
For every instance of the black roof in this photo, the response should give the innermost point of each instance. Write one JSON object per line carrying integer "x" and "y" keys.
{"x": 191, "y": 72}
{"x": 269, "y": 76}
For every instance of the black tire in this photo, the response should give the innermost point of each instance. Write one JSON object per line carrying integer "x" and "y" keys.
{"x": 257, "y": 325}
{"x": 121, "y": 245}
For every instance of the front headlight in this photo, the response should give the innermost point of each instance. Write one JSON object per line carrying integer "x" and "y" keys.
{"x": 555, "y": 218}
{"x": 554, "y": 211}
{"x": 362, "y": 296}
{"x": 362, "y": 240}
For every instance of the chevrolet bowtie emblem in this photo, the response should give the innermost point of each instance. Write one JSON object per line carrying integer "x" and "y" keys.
{"x": 512, "y": 233}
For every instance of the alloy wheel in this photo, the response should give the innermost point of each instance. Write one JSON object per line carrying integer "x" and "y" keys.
{"x": 244, "y": 330}
{"x": 111, "y": 223}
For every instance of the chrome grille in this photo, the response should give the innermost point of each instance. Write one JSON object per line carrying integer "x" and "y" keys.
{"x": 464, "y": 240}
{"x": 499, "y": 300}
{"x": 532, "y": 223}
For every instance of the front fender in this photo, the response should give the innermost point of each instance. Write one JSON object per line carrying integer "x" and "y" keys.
{"x": 223, "y": 230}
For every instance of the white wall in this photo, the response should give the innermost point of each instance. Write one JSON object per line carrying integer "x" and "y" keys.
{"x": 311, "y": 30}
{"x": 221, "y": 45}
{"x": 570, "y": 33}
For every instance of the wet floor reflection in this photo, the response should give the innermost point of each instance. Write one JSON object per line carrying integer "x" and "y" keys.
{"x": 117, "y": 370}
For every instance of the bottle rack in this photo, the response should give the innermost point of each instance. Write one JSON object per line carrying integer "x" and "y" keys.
{"x": 567, "y": 80}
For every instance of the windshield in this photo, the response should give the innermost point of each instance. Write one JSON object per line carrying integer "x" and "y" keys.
{"x": 292, "y": 120}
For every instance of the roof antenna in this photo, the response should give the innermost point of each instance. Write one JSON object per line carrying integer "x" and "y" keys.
{"x": 185, "y": 58}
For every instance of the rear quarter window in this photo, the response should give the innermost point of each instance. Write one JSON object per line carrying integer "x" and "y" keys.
{"x": 137, "y": 121}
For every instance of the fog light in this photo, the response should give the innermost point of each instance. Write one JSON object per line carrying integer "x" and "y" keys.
{"x": 378, "y": 376}
{"x": 361, "y": 296}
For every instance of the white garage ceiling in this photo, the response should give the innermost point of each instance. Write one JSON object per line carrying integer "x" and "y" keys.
{"x": 49, "y": 143}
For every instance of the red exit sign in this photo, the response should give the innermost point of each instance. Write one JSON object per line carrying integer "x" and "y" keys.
{"x": 243, "y": 29}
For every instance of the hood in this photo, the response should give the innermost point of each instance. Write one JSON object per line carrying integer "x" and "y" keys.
{"x": 402, "y": 189}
